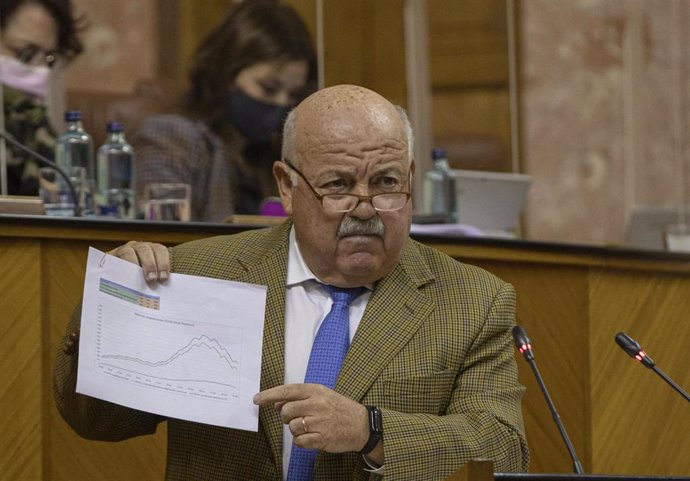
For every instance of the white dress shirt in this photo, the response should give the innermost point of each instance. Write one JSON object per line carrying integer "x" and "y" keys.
{"x": 307, "y": 302}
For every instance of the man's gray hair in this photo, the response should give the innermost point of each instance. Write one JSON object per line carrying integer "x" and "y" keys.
{"x": 288, "y": 151}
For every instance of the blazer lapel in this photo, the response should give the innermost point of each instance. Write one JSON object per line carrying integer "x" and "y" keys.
{"x": 395, "y": 312}
{"x": 271, "y": 271}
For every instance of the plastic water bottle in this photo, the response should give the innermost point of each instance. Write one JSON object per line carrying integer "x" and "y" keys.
{"x": 116, "y": 175}
{"x": 74, "y": 153}
{"x": 439, "y": 188}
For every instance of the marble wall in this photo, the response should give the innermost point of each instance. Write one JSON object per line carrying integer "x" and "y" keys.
{"x": 120, "y": 40}
{"x": 604, "y": 113}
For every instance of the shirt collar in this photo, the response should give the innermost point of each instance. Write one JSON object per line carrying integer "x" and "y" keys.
{"x": 298, "y": 271}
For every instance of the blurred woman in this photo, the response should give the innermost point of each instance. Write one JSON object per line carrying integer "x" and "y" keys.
{"x": 36, "y": 35}
{"x": 247, "y": 74}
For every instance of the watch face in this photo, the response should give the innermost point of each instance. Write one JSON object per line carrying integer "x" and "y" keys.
{"x": 375, "y": 429}
{"x": 375, "y": 421}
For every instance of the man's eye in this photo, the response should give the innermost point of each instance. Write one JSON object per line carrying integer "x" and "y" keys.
{"x": 336, "y": 184}
{"x": 387, "y": 182}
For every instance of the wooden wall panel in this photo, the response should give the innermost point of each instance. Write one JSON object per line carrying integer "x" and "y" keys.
{"x": 72, "y": 457}
{"x": 474, "y": 128}
{"x": 642, "y": 425}
{"x": 365, "y": 45}
{"x": 21, "y": 422}
{"x": 468, "y": 56}
{"x": 468, "y": 43}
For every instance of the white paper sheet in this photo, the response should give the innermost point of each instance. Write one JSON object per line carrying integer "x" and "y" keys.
{"x": 189, "y": 348}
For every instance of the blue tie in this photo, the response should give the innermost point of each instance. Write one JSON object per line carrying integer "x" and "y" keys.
{"x": 327, "y": 354}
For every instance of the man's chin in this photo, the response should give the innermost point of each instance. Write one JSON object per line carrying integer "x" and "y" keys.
{"x": 364, "y": 268}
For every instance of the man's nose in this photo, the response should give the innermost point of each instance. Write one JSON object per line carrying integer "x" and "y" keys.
{"x": 364, "y": 208}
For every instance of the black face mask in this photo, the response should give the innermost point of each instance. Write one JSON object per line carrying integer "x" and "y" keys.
{"x": 257, "y": 121}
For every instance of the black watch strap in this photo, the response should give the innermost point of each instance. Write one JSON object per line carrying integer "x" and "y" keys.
{"x": 375, "y": 429}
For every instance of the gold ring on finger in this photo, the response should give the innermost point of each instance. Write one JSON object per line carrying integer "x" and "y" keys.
{"x": 304, "y": 425}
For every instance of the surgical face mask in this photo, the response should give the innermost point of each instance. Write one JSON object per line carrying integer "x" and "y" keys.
{"x": 256, "y": 120}
{"x": 30, "y": 79}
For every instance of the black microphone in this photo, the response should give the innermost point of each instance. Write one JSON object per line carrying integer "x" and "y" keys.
{"x": 629, "y": 345}
{"x": 45, "y": 161}
{"x": 524, "y": 346}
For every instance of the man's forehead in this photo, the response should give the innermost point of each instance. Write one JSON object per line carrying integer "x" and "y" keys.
{"x": 350, "y": 124}
{"x": 355, "y": 146}
{"x": 345, "y": 103}
{"x": 340, "y": 96}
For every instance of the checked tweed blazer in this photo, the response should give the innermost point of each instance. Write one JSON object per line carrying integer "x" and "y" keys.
{"x": 433, "y": 351}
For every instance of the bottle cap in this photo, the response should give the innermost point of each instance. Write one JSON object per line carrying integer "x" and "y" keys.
{"x": 438, "y": 154}
{"x": 73, "y": 115}
{"x": 114, "y": 126}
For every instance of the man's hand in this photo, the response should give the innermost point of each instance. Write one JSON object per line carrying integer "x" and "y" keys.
{"x": 154, "y": 259}
{"x": 319, "y": 418}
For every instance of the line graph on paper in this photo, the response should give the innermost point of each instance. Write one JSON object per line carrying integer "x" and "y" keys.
{"x": 181, "y": 356}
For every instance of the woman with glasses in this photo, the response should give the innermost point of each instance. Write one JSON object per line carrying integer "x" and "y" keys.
{"x": 35, "y": 36}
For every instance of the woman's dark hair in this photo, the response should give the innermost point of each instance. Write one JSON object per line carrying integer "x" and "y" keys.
{"x": 68, "y": 43}
{"x": 255, "y": 31}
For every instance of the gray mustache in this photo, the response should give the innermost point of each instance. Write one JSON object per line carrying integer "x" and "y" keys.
{"x": 354, "y": 226}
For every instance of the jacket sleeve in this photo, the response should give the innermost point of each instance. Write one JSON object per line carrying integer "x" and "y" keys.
{"x": 483, "y": 418}
{"x": 93, "y": 418}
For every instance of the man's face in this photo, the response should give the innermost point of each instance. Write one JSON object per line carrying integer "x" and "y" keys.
{"x": 350, "y": 155}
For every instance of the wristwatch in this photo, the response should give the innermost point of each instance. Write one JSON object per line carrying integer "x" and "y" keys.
{"x": 375, "y": 429}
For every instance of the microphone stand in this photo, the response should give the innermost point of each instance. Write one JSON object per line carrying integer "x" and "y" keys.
{"x": 524, "y": 346}
{"x": 44, "y": 160}
{"x": 576, "y": 462}
{"x": 671, "y": 383}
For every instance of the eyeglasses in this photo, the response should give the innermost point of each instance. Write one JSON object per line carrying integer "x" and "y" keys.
{"x": 32, "y": 54}
{"x": 386, "y": 202}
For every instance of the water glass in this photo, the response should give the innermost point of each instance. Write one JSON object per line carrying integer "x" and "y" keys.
{"x": 168, "y": 201}
{"x": 56, "y": 195}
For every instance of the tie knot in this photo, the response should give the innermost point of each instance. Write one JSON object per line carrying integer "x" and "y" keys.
{"x": 344, "y": 294}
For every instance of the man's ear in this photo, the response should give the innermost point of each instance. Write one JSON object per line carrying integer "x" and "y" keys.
{"x": 281, "y": 172}
{"x": 413, "y": 167}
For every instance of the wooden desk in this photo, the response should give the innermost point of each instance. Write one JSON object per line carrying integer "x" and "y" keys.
{"x": 571, "y": 299}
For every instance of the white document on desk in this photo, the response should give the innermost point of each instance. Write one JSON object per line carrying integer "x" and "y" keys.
{"x": 189, "y": 348}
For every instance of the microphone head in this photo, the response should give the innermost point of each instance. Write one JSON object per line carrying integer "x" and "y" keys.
{"x": 522, "y": 342}
{"x": 634, "y": 350}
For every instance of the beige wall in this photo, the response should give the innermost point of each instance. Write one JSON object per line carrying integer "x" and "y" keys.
{"x": 604, "y": 115}
{"x": 121, "y": 45}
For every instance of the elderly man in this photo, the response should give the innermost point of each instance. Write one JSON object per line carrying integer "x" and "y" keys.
{"x": 381, "y": 356}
